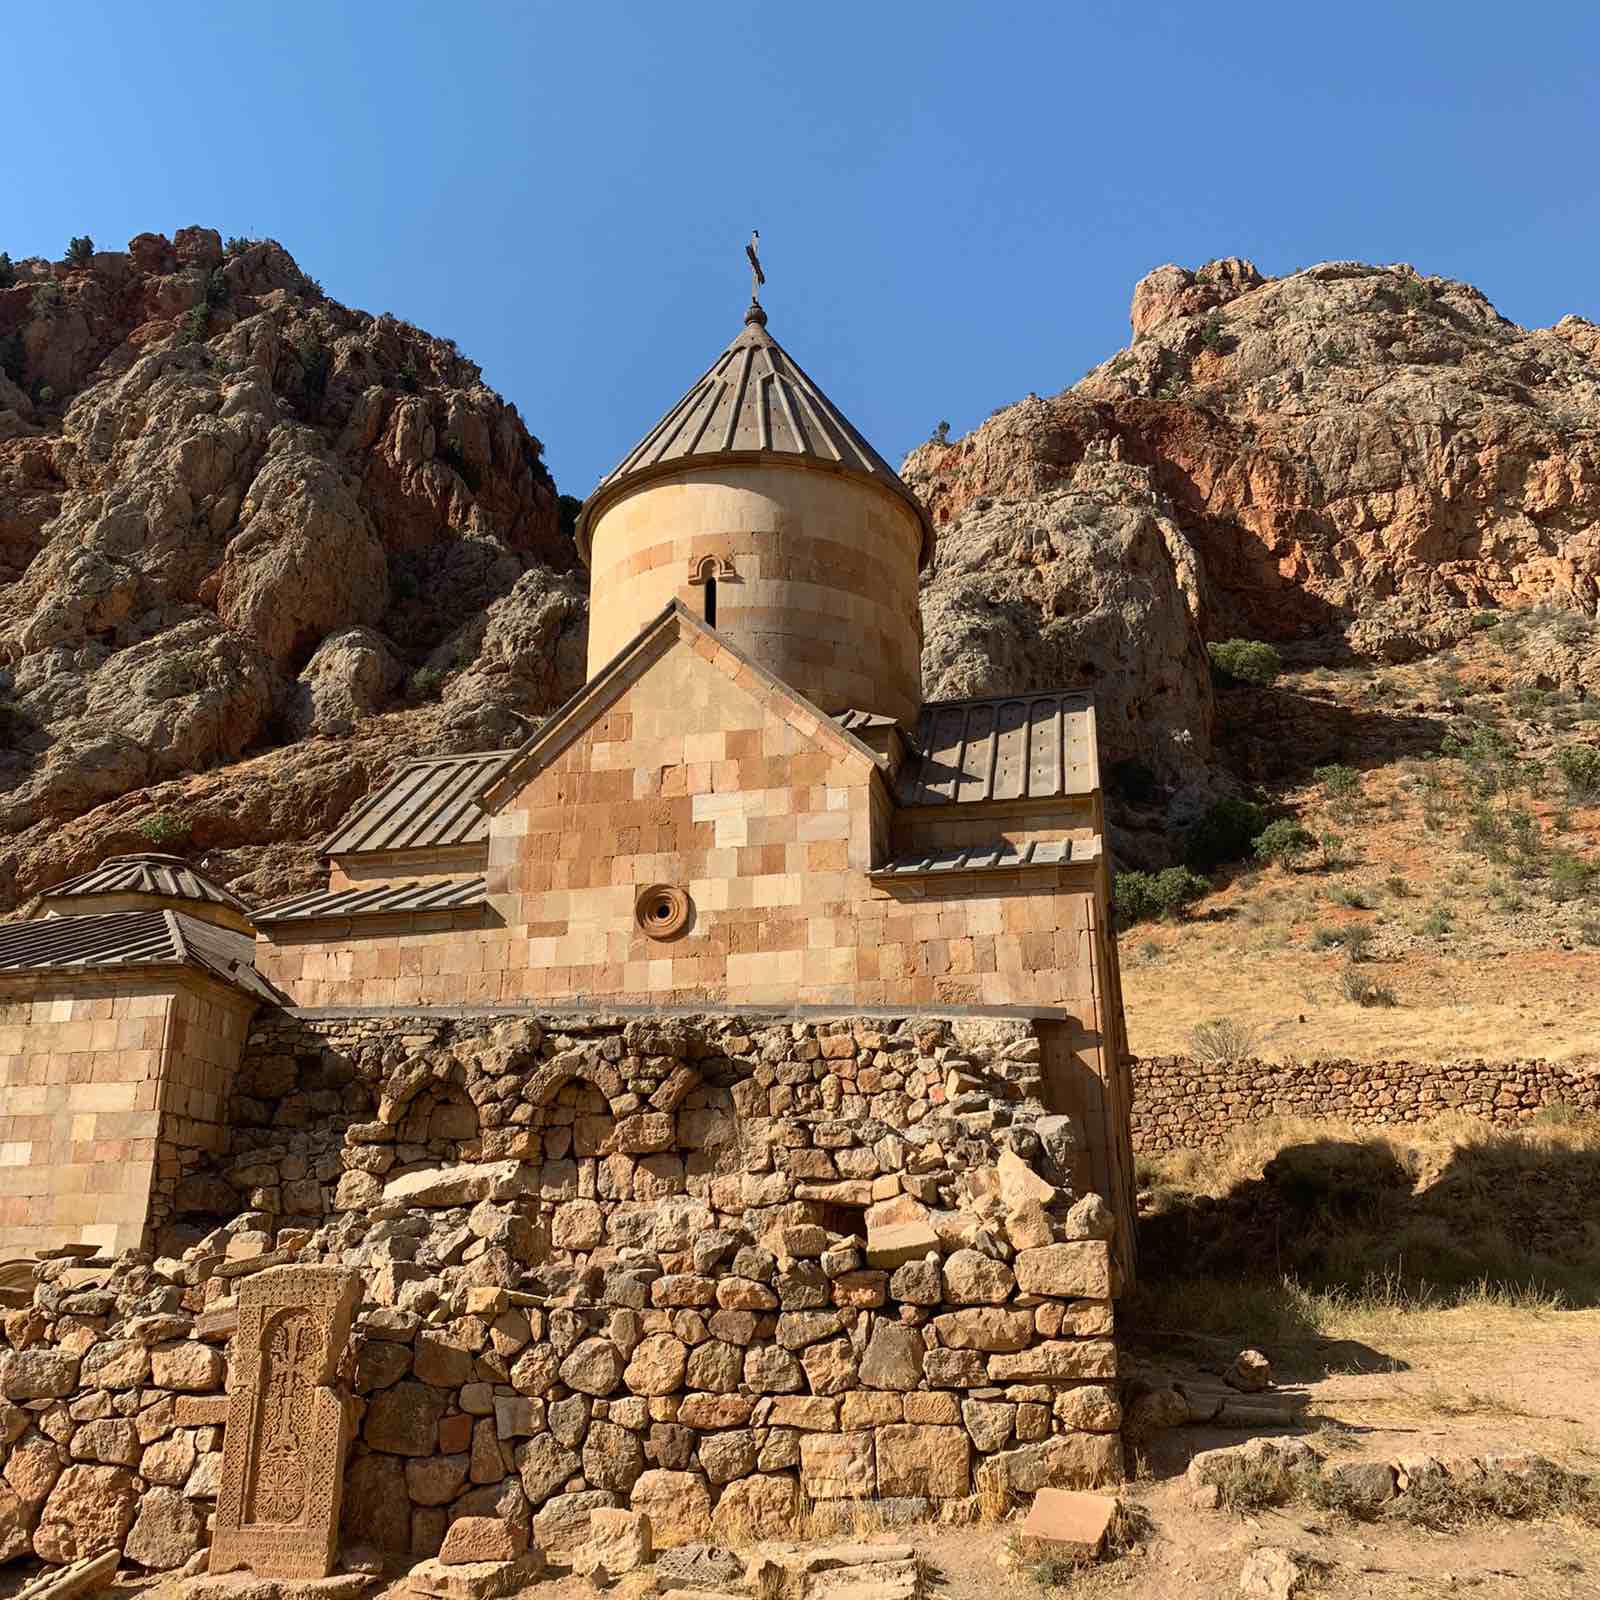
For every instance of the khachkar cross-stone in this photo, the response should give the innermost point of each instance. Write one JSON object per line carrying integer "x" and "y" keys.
{"x": 288, "y": 1424}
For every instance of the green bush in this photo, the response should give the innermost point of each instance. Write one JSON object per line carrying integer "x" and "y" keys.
{"x": 80, "y": 251}
{"x": 1571, "y": 877}
{"x": 8, "y": 271}
{"x": 1226, "y": 832}
{"x": 1142, "y": 895}
{"x": 1340, "y": 786}
{"x": 1245, "y": 661}
{"x": 427, "y": 683}
{"x": 1579, "y": 766}
{"x": 166, "y": 827}
{"x": 1284, "y": 842}
{"x": 47, "y": 300}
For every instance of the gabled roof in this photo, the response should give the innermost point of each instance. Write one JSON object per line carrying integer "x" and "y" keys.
{"x": 675, "y": 621}
{"x": 169, "y": 876}
{"x": 753, "y": 403}
{"x": 427, "y": 803}
{"x": 457, "y": 894}
{"x": 1008, "y": 747}
{"x": 133, "y": 939}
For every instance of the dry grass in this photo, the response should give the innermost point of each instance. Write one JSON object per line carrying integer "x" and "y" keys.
{"x": 1446, "y": 878}
{"x": 1295, "y": 1231}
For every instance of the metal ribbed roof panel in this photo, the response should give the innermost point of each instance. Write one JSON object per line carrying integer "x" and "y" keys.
{"x": 170, "y": 876}
{"x": 132, "y": 939}
{"x": 755, "y": 399}
{"x": 1007, "y": 747}
{"x": 426, "y": 803}
{"x": 1002, "y": 857}
{"x": 452, "y": 894}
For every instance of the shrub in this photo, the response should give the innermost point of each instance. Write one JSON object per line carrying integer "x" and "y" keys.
{"x": 1484, "y": 620}
{"x": 166, "y": 827}
{"x": 1347, "y": 895}
{"x": 1413, "y": 295}
{"x": 1226, "y": 832}
{"x": 235, "y": 246}
{"x": 940, "y": 434}
{"x": 1157, "y": 894}
{"x": 1579, "y": 766}
{"x": 8, "y": 271}
{"x": 1363, "y": 989}
{"x": 217, "y": 287}
{"x": 196, "y": 321}
{"x": 48, "y": 298}
{"x": 14, "y": 358}
{"x": 1283, "y": 842}
{"x": 1438, "y": 922}
{"x": 1215, "y": 337}
{"x": 1398, "y": 887}
{"x": 1245, "y": 661}
{"x": 1340, "y": 786}
{"x": 1222, "y": 1040}
{"x": 80, "y": 250}
{"x": 1332, "y": 847}
{"x": 1570, "y": 877}
{"x": 426, "y": 683}
{"x": 1589, "y": 933}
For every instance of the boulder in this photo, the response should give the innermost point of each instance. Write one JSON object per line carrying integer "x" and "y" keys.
{"x": 89, "y": 1510}
{"x": 167, "y": 1531}
{"x": 678, "y": 1505}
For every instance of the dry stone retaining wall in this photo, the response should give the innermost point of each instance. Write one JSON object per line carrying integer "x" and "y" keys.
{"x": 710, "y": 1268}
{"x": 1180, "y": 1103}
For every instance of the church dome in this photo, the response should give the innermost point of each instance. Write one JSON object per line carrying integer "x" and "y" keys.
{"x": 757, "y": 503}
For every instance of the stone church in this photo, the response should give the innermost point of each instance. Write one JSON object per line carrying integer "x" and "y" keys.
{"x": 748, "y": 808}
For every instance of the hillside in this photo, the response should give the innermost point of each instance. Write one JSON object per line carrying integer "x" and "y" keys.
{"x": 250, "y": 534}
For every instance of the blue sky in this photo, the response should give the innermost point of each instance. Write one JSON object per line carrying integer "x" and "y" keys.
{"x": 955, "y": 200}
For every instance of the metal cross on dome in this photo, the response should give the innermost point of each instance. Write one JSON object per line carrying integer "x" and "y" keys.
{"x": 757, "y": 276}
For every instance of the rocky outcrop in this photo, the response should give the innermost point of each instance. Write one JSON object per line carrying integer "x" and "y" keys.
{"x": 1353, "y": 435}
{"x": 1074, "y": 574}
{"x": 235, "y": 514}
{"x": 1349, "y": 452}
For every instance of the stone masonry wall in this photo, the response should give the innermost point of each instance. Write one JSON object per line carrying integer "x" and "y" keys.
{"x": 1181, "y": 1104}
{"x": 712, "y": 1268}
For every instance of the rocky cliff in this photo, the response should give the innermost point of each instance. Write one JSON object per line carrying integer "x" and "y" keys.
{"x": 251, "y": 534}
{"x": 1349, "y": 451}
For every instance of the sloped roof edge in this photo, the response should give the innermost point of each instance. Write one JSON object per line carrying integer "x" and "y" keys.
{"x": 602, "y": 689}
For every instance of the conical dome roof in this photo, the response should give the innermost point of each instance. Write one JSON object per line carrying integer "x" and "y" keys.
{"x": 753, "y": 404}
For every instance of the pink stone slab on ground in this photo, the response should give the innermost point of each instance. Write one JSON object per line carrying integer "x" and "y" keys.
{"x": 1071, "y": 1517}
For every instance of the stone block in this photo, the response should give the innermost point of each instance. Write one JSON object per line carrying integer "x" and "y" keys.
{"x": 477, "y": 1580}
{"x": 935, "y": 1462}
{"x": 838, "y": 1466}
{"x": 678, "y": 1505}
{"x": 482, "y": 1539}
{"x": 619, "y": 1542}
{"x": 1080, "y": 1271}
{"x": 987, "y": 1328}
{"x": 1055, "y": 1359}
{"x": 1071, "y": 1518}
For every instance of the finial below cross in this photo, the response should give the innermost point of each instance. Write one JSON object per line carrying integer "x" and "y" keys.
{"x": 757, "y": 276}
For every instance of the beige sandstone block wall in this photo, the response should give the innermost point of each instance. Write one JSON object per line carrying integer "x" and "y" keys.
{"x": 770, "y": 820}
{"x": 824, "y": 592}
{"x": 79, "y": 1087}
{"x": 100, "y": 1089}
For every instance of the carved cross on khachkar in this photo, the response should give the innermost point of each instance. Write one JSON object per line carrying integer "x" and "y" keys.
{"x": 757, "y": 276}
{"x": 288, "y": 1424}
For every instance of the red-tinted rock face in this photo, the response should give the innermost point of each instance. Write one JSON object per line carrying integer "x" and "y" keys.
{"x": 207, "y": 468}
